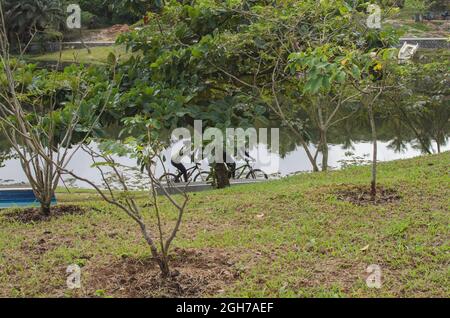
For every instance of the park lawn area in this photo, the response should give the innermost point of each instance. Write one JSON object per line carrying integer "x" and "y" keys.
{"x": 287, "y": 238}
{"x": 98, "y": 55}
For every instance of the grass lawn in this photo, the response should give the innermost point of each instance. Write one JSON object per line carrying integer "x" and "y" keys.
{"x": 286, "y": 238}
{"x": 98, "y": 55}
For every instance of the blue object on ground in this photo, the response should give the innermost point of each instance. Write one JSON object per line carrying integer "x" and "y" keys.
{"x": 17, "y": 197}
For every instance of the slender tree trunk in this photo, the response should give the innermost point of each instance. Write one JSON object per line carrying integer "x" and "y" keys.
{"x": 45, "y": 208}
{"x": 45, "y": 196}
{"x": 323, "y": 139}
{"x": 222, "y": 177}
{"x": 418, "y": 17}
{"x": 437, "y": 139}
{"x": 163, "y": 264}
{"x": 311, "y": 158}
{"x": 411, "y": 125}
{"x": 373, "y": 183}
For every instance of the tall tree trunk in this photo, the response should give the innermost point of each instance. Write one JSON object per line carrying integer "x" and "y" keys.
{"x": 438, "y": 146}
{"x": 222, "y": 177}
{"x": 373, "y": 183}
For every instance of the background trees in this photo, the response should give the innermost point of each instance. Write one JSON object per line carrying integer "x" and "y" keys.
{"x": 171, "y": 81}
{"x": 232, "y": 63}
{"x": 98, "y": 13}
{"x": 25, "y": 18}
{"x": 424, "y": 102}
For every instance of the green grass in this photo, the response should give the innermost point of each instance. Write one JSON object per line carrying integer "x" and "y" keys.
{"x": 97, "y": 55}
{"x": 306, "y": 244}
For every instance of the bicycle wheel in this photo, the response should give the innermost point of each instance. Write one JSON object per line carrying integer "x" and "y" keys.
{"x": 202, "y": 176}
{"x": 257, "y": 174}
{"x": 169, "y": 177}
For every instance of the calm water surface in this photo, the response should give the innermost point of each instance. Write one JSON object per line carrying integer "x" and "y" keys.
{"x": 292, "y": 162}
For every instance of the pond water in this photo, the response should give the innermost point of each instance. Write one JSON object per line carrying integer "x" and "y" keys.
{"x": 288, "y": 162}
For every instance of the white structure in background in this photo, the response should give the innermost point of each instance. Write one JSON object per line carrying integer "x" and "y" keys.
{"x": 407, "y": 52}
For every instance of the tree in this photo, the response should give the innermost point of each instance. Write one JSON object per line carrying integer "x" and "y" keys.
{"x": 422, "y": 102}
{"x": 217, "y": 53}
{"x": 325, "y": 88}
{"x": 372, "y": 76}
{"x": 42, "y": 114}
{"x": 287, "y": 55}
{"x": 172, "y": 80}
{"x": 24, "y": 18}
{"x": 420, "y": 7}
{"x": 119, "y": 181}
{"x": 119, "y": 11}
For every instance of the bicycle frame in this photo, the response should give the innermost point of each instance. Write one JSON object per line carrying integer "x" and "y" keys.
{"x": 242, "y": 170}
{"x": 190, "y": 172}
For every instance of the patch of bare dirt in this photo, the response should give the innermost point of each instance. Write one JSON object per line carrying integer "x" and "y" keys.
{"x": 360, "y": 195}
{"x": 30, "y": 215}
{"x": 107, "y": 35}
{"x": 195, "y": 273}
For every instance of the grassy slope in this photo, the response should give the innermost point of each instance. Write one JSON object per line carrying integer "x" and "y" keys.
{"x": 307, "y": 243}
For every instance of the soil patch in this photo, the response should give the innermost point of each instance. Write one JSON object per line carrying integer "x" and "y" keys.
{"x": 360, "y": 195}
{"x": 33, "y": 214}
{"x": 195, "y": 273}
{"x": 108, "y": 34}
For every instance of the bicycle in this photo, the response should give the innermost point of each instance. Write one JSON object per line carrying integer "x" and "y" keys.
{"x": 252, "y": 174}
{"x": 177, "y": 178}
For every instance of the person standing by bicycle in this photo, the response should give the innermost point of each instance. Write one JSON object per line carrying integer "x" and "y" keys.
{"x": 242, "y": 153}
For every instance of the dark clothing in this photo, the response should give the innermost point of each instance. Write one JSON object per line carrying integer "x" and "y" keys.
{"x": 181, "y": 168}
{"x": 231, "y": 164}
{"x": 232, "y": 170}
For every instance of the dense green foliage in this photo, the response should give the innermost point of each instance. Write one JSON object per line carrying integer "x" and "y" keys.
{"x": 27, "y": 17}
{"x": 53, "y": 98}
{"x": 232, "y": 63}
{"x": 187, "y": 59}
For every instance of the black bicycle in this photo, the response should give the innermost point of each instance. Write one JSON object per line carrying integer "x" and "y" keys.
{"x": 194, "y": 170}
{"x": 245, "y": 170}
{"x": 251, "y": 174}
